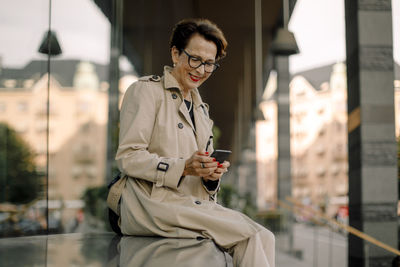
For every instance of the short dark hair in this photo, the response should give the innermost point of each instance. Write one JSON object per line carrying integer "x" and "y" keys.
{"x": 184, "y": 30}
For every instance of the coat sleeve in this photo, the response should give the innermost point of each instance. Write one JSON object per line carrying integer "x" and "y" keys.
{"x": 137, "y": 118}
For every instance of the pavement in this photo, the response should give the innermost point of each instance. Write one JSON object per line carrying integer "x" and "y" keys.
{"x": 313, "y": 246}
{"x": 283, "y": 259}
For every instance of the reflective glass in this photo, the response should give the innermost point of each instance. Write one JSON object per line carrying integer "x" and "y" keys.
{"x": 54, "y": 114}
{"x": 78, "y": 114}
{"x": 23, "y": 124}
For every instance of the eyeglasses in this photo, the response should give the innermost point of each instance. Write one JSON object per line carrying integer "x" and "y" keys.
{"x": 195, "y": 62}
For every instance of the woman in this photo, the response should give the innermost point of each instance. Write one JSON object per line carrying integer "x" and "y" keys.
{"x": 170, "y": 180}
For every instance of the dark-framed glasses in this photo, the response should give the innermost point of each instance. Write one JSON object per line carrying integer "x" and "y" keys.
{"x": 195, "y": 62}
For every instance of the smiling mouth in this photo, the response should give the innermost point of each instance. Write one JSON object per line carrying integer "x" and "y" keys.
{"x": 194, "y": 78}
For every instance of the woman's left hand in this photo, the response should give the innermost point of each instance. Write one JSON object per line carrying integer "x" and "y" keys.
{"x": 221, "y": 169}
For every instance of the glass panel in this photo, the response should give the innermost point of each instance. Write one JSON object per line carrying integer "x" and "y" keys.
{"x": 23, "y": 96}
{"x": 78, "y": 117}
{"x": 396, "y": 39}
{"x": 318, "y": 95}
{"x": 63, "y": 140}
{"x": 318, "y": 124}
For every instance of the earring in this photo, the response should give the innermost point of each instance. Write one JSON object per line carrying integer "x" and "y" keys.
{"x": 174, "y": 64}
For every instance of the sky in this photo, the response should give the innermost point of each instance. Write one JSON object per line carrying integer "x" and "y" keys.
{"x": 83, "y": 31}
{"x": 319, "y": 29}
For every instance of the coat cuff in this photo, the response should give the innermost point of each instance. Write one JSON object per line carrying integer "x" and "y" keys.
{"x": 212, "y": 187}
{"x": 169, "y": 172}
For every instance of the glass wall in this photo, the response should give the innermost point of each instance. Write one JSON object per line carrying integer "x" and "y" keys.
{"x": 23, "y": 122}
{"x": 78, "y": 111}
{"x": 54, "y": 114}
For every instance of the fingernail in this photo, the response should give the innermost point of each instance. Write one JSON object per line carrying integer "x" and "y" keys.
{"x": 219, "y": 165}
{"x": 206, "y": 153}
{"x": 214, "y": 159}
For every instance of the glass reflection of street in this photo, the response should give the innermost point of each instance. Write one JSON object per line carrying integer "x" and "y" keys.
{"x": 107, "y": 249}
{"x": 155, "y": 251}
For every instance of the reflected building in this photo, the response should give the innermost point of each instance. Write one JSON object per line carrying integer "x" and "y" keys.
{"x": 78, "y": 116}
{"x": 267, "y": 156}
{"x": 318, "y": 119}
{"x": 319, "y": 138}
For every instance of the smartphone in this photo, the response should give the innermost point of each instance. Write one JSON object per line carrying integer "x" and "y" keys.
{"x": 221, "y": 155}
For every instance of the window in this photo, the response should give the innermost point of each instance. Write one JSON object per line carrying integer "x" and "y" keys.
{"x": 3, "y": 107}
{"x": 83, "y": 107}
{"x": 22, "y": 107}
{"x": 22, "y": 127}
{"x": 335, "y": 169}
{"x": 28, "y": 83}
{"x": 322, "y": 132}
{"x": 321, "y": 171}
{"x": 41, "y": 126}
{"x": 10, "y": 83}
{"x": 320, "y": 149}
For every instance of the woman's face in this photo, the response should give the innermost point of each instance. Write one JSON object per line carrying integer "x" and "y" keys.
{"x": 188, "y": 77}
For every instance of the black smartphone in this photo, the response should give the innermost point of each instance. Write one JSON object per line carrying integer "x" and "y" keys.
{"x": 221, "y": 155}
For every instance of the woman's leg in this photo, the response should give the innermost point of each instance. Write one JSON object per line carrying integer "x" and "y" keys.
{"x": 258, "y": 250}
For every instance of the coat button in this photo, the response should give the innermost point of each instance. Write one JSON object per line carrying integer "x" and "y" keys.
{"x": 174, "y": 96}
{"x": 198, "y": 202}
{"x": 155, "y": 78}
{"x": 180, "y": 125}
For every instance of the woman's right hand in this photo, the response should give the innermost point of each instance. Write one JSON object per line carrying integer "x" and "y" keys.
{"x": 200, "y": 164}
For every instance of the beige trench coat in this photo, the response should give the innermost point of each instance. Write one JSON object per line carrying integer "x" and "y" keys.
{"x": 156, "y": 252}
{"x": 156, "y": 138}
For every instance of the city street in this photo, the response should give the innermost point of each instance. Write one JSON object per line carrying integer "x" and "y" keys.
{"x": 318, "y": 246}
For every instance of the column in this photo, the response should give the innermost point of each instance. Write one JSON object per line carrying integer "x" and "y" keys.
{"x": 113, "y": 91}
{"x": 371, "y": 130}
{"x": 284, "y": 175}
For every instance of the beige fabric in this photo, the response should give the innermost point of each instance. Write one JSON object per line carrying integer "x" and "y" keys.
{"x": 114, "y": 194}
{"x": 258, "y": 250}
{"x": 156, "y": 252}
{"x": 155, "y": 127}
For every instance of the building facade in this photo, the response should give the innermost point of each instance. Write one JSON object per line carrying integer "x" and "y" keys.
{"x": 78, "y": 115}
{"x": 318, "y": 129}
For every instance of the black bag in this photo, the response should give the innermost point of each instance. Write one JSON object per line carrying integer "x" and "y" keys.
{"x": 112, "y": 216}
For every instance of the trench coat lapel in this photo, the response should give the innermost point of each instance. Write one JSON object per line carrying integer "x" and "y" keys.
{"x": 171, "y": 83}
{"x": 203, "y": 123}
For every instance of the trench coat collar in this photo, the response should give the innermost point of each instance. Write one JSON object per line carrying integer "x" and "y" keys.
{"x": 200, "y": 131}
{"x": 171, "y": 83}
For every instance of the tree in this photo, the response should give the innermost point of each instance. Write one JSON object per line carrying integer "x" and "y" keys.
{"x": 19, "y": 181}
{"x": 95, "y": 201}
{"x": 229, "y": 197}
{"x": 216, "y": 133}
